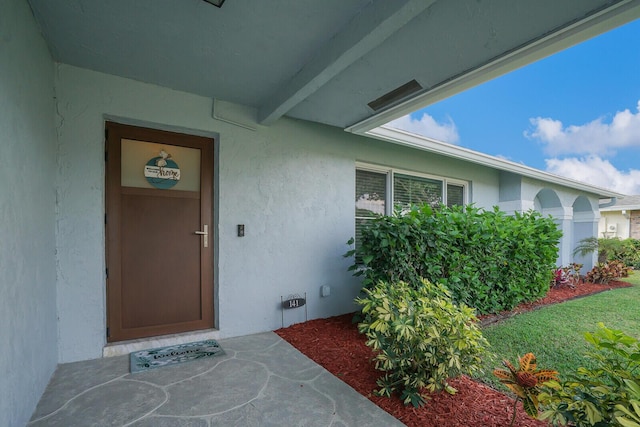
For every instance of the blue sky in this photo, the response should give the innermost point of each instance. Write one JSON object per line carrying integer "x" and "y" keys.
{"x": 575, "y": 114}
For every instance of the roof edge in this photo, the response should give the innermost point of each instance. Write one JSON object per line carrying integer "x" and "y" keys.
{"x": 401, "y": 137}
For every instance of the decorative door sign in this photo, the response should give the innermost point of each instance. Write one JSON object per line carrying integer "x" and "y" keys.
{"x": 162, "y": 172}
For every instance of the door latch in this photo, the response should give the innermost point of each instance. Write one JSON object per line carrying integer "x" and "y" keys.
{"x": 205, "y": 234}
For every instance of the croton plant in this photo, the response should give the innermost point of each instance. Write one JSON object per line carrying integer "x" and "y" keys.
{"x": 525, "y": 381}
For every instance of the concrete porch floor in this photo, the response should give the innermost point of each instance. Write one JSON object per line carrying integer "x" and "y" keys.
{"x": 261, "y": 381}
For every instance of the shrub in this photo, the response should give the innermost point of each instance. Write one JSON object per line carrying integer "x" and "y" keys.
{"x": 596, "y": 396}
{"x": 566, "y": 276}
{"x": 487, "y": 259}
{"x": 526, "y": 382}
{"x": 629, "y": 253}
{"x": 629, "y": 416}
{"x": 421, "y": 338}
{"x": 604, "y": 273}
{"x": 560, "y": 279}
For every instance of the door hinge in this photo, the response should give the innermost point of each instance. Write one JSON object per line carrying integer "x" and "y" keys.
{"x": 106, "y": 270}
{"x": 106, "y": 156}
{"x": 108, "y": 333}
{"x": 105, "y": 218}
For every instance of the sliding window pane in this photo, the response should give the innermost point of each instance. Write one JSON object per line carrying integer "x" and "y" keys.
{"x": 414, "y": 190}
{"x": 371, "y": 193}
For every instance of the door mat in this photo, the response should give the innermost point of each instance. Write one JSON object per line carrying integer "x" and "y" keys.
{"x": 164, "y": 356}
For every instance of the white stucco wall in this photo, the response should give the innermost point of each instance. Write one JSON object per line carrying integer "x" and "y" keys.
{"x": 575, "y": 225}
{"x": 27, "y": 215}
{"x": 291, "y": 185}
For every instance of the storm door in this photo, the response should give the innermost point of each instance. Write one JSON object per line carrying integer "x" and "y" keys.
{"x": 159, "y": 232}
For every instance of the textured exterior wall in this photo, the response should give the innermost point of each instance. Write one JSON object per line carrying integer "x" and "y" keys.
{"x": 27, "y": 215}
{"x": 291, "y": 184}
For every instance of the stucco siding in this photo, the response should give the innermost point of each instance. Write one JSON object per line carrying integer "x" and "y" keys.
{"x": 291, "y": 184}
{"x": 27, "y": 215}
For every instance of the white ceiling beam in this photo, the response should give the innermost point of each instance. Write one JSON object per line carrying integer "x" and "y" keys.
{"x": 367, "y": 30}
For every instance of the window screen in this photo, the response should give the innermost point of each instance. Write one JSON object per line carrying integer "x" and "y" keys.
{"x": 414, "y": 190}
{"x": 455, "y": 195}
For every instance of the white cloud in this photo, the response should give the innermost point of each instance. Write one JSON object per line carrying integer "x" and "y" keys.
{"x": 597, "y": 137}
{"x": 429, "y": 127}
{"x": 596, "y": 171}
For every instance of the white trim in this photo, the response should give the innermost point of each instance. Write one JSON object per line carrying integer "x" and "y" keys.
{"x": 423, "y": 143}
{"x": 617, "y": 14}
{"x": 372, "y": 167}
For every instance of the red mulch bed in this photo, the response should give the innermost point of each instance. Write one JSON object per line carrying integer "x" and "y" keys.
{"x": 336, "y": 344}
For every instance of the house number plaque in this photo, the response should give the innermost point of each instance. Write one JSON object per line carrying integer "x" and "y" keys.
{"x": 293, "y": 302}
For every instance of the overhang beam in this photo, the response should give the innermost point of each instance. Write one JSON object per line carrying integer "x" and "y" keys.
{"x": 372, "y": 26}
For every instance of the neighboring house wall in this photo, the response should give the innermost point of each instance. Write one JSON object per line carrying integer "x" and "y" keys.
{"x": 27, "y": 215}
{"x": 634, "y": 223}
{"x": 618, "y": 220}
{"x": 291, "y": 184}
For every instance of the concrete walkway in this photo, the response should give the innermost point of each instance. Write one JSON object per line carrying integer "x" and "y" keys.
{"x": 261, "y": 381}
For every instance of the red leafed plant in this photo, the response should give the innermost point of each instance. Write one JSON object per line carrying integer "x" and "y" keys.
{"x": 525, "y": 382}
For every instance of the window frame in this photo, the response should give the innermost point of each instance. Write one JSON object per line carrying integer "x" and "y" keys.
{"x": 390, "y": 172}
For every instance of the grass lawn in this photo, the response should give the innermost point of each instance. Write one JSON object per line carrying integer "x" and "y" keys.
{"x": 555, "y": 333}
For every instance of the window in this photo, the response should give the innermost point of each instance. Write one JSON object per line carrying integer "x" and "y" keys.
{"x": 371, "y": 197}
{"x": 376, "y": 187}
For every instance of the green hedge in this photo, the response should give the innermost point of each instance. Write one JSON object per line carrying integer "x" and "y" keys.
{"x": 487, "y": 259}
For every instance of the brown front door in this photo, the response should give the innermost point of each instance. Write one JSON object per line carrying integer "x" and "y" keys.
{"x": 159, "y": 232}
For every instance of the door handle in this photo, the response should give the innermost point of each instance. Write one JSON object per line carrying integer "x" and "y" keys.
{"x": 205, "y": 234}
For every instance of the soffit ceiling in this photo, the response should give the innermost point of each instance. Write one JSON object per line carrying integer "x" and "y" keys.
{"x": 322, "y": 61}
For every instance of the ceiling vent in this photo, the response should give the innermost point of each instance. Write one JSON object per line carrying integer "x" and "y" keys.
{"x": 217, "y": 3}
{"x": 395, "y": 95}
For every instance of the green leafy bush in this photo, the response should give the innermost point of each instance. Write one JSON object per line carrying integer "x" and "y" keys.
{"x": 604, "y": 273}
{"x": 421, "y": 338}
{"x": 487, "y": 259}
{"x": 629, "y": 416}
{"x": 629, "y": 253}
{"x": 599, "y": 396}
